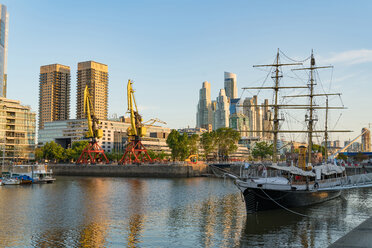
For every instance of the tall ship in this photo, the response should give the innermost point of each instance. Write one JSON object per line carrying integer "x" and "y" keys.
{"x": 276, "y": 185}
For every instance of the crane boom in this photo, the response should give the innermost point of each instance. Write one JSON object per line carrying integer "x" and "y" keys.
{"x": 135, "y": 149}
{"x": 93, "y": 152}
{"x": 93, "y": 130}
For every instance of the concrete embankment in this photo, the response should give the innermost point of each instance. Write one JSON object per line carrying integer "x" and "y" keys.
{"x": 144, "y": 170}
{"x": 358, "y": 237}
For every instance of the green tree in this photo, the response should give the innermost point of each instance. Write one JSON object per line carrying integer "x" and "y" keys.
{"x": 172, "y": 142}
{"x": 193, "y": 143}
{"x": 53, "y": 151}
{"x": 183, "y": 146}
{"x": 262, "y": 150}
{"x": 179, "y": 145}
{"x": 208, "y": 142}
{"x": 38, "y": 154}
{"x": 227, "y": 139}
{"x": 77, "y": 148}
{"x": 342, "y": 156}
{"x": 69, "y": 154}
{"x": 318, "y": 148}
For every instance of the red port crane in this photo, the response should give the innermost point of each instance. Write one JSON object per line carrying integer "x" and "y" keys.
{"x": 92, "y": 153}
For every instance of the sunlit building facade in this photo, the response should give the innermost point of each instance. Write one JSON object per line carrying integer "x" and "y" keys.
{"x": 230, "y": 84}
{"x": 4, "y": 17}
{"x": 54, "y": 93}
{"x": 17, "y": 131}
{"x": 204, "y": 114}
{"x": 95, "y": 75}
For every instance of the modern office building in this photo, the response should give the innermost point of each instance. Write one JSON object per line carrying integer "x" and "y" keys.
{"x": 204, "y": 114}
{"x": 95, "y": 75}
{"x": 222, "y": 112}
{"x": 231, "y": 88}
{"x": 4, "y": 17}
{"x": 114, "y": 134}
{"x": 17, "y": 131}
{"x": 54, "y": 93}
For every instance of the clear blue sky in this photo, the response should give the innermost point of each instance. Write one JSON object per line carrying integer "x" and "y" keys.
{"x": 170, "y": 47}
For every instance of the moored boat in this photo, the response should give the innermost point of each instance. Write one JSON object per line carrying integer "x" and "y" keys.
{"x": 290, "y": 186}
{"x": 11, "y": 181}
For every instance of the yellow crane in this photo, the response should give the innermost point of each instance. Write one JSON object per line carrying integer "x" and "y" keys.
{"x": 135, "y": 151}
{"x": 93, "y": 152}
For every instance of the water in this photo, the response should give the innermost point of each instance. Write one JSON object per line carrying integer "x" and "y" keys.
{"x": 195, "y": 212}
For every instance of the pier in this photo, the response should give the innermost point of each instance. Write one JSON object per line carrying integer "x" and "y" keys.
{"x": 171, "y": 170}
{"x": 358, "y": 237}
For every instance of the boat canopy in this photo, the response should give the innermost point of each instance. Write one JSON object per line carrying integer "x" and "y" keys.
{"x": 293, "y": 170}
{"x": 329, "y": 169}
{"x": 326, "y": 169}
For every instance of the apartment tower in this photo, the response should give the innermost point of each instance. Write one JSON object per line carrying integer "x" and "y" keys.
{"x": 4, "y": 17}
{"x": 17, "y": 131}
{"x": 204, "y": 114}
{"x": 222, "y": 111}
{"x": 54, "y": 93}
{"x": 230, "y": 85}
{"x": 95, "y": 75}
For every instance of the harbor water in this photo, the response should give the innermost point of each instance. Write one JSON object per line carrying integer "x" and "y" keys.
{"x": 143, "y": 212}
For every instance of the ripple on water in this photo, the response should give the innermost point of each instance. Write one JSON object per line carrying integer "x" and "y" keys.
{"x": 195, "y": 212}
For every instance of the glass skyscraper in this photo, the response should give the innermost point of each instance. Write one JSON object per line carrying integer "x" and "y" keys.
{"x": 4, "y": 17}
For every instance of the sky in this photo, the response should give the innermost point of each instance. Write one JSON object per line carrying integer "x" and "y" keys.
{"x": 170, "y": 47}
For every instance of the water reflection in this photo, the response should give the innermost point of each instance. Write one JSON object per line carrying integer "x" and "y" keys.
{"x": 325, "y": 223}
{"x": 136, "y": 219}
{"x": 198, "y": 212}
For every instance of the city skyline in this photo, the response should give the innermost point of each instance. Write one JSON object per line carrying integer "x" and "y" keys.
{"x": 168, "y": 64}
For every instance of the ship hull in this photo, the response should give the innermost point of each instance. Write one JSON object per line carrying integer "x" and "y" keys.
{"x": 257, "y": 199}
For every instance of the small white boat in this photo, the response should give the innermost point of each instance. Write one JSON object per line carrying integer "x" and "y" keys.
{"x": 11, "y": 181}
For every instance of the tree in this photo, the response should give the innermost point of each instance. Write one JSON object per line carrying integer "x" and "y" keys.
{"x": 262, "y": 149}
{"x": 209, "y": 143}
{"x": 342, "y": 156}
{"x": 227, "y": 139}
{"x": 38, "y": 154}
{"x": 181, "y": 145}
{"x": 53, "y": 151}
{"x": 172, "y": 142}
{"x": 318, "y": 148}
{"x": 193, "y": 144}
{"x": 77, "y": 148}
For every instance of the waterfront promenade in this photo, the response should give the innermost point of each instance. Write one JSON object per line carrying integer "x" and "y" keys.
{"x": 170, "y": 170}
{"x": 358, "y": 237}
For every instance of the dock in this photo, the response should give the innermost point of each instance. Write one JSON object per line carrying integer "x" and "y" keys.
{"x": 169, "y": 170}
{"x": 358, "y": 237}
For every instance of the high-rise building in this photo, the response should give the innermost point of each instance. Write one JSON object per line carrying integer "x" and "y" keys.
{"x": 204, "y": 114}
{"x": 230, "y": 85}
{"x": 95, "y": 75}
{"x": 54, "y": 93}
{"x": 222, "y": 112}
{"x": 17, "y": 132}
{"x": 366, "y": 140}
{"x": 4, "y": 17}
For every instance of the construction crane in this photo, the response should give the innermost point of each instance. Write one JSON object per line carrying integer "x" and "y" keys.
{"x": 93, "y": 152}
{"x": 135, "y": 151}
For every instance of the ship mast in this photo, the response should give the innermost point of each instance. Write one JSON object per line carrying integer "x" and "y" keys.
{"x": 277, "y": 76}
{"x": 310, "y": 119}
{"x": 311, "y": 107}
{"x": 311, "y": 110}
{"x": 326, "y": 133}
